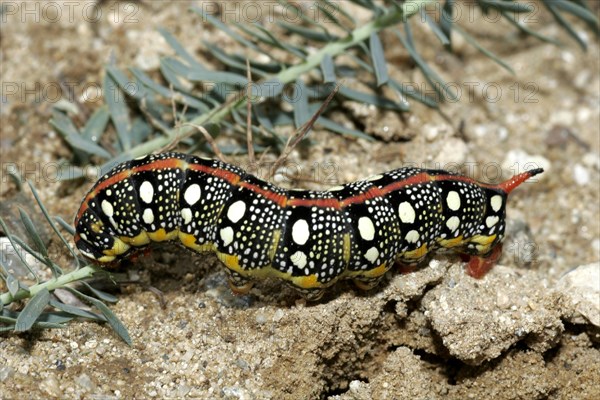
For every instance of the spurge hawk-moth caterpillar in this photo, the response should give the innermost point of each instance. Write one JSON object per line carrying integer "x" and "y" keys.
{"x": 308, "y": 238}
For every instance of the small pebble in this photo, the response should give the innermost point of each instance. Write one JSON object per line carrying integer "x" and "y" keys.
{"x": 51, "y": 386}
{"x": 355, "y": 385}
{"x": 562, "y": 117}
{"x": 60, "y": 366}
{"x": 502, "y": 300}
{"x": 261, "y": 318}
{"x": 278, "y": 315}
{"x": 242, "y": 364}
{"x": 592, "y": 160}
{"x": 183, "y": 390}
{"x": 581, "y": 175}
{"x": 454, "y": 152}
{"x": 431, "y": 132}
{"x": 6, "y": 373}
{"x": 85, "y": 382}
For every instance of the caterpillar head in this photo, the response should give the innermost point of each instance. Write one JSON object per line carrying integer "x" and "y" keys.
{"x": 492, "y": 224}
{"x": 94, "y": 240}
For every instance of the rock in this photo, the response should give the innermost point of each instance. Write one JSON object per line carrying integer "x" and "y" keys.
{"x": 582, "y": 287}
{"x": 477, "y": 323}
{"x": 498, "y": 382}
{"x": 400, "y": 367}
{"x": 12, "y": 257}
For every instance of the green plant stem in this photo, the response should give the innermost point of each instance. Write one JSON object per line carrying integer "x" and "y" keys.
{"x": 357, "y": 36}
{"x": 76, "y": 275}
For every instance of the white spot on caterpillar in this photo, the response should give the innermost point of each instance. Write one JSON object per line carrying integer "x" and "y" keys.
{"x": 453, "y": 223}
{"x": 412, "y": 236}
{"x": 298, "y": 259}
{"x": 406, "y": 212}
{"x": 107, "y": 208}
{"x": 226, "y": 235}
{"x": 83, "y": 236}
{"x": 372, "y": 254}
{"x": 87, "y": 254}
{"x": 453, "y": 200}
{"x": 335, "y": 188}
{"x": 186, "y": 214}
{"x": 300, "y": 232}
{"x": 146, "y": 192}
{"x": 491, "y": 221}
{"x": 148, "y": 216}
{"x": 236, "y": 211}
{"x": 192, "y": 194}
{"x": 366, "y": 228}
{"x": 496, "y": 202}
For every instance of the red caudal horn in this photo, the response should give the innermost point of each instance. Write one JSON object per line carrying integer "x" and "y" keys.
{"x": 509, "y": 185}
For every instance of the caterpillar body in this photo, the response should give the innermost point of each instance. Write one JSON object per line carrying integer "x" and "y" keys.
{"x": 311, "y": 239}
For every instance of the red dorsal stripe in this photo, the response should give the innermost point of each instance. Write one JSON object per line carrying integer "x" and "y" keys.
{"x": 283, "y": 201}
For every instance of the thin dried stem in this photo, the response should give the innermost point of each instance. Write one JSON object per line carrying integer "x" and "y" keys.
{"x": 176, "y": 124}
{"x": 209, "y": 139}
{"x": 302, "y": 132}
{"x": 249, "y": 138}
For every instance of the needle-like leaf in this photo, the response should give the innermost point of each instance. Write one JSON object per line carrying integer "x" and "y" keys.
{"x": 33, "y": 309}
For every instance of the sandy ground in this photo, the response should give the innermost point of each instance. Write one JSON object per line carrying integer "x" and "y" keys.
{"x": 522, "y": 332}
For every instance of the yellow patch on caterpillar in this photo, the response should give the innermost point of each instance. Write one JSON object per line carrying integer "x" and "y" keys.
{"x": 189, "y": 241}
{"x": 106, "y": 259}
{"x": 347, "y": 248}
{"x": 483, "y": 243}
{"x": 372, "y": 273}
{"x": 274, "y": 244}
{"x": 232, "y": 262}
{"x": 137, "y": 241}
{"x": 307, "y": 282}
{"x": 483, "y": 249}
{"x": 483, "y": 240}
{"x": 97, "y": 227}
{"x": 161, "y": 235}
{"x": 415, "y": 254}
{"x": 375, "y": 272}
{"x": 119, "y": 247}
{"x": 449, "y": 243}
